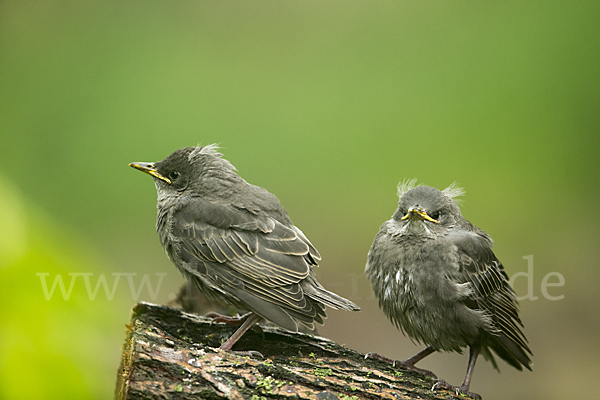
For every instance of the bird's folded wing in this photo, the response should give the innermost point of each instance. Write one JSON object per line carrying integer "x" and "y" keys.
{"x": 491, "y": 290}
{"x": 259, "y": 248}
{"x": 247, "y": 256}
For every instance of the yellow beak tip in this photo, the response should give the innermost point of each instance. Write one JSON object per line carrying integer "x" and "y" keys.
{"x": 421, "y": 214}
{"x": 149, "y": 169}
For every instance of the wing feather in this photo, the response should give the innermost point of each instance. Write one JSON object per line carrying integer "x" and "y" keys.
{"x": 492, "y": 294}
{"x": 254, "y": 260}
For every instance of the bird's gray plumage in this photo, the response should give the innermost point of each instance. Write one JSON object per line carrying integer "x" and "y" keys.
{"x": 437, "y": 279}
{"x": 235, "y": 241}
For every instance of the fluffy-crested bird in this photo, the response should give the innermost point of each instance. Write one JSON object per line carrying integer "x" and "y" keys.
{"x": 236, "y": 242}
{"x": 436, "y": 278}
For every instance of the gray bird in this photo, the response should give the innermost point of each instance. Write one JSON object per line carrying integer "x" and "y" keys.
{"x": 437, "y": 279}
{"x": 236, "y": 242}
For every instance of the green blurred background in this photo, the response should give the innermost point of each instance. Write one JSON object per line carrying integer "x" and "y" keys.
{"x": 328, "y": 105}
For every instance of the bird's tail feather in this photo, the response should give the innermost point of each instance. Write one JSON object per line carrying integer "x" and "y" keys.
{"x": 487, "y": 354}
{"x": 330, "y": 299}
{"x": 511, "y": 352}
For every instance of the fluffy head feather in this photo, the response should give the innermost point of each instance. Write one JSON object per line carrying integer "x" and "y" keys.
{"x": 453, "y": 191}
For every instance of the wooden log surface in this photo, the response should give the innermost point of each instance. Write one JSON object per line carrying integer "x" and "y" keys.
{"x": 171, "y": 354}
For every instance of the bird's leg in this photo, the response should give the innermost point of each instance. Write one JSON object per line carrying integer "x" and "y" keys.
{"x": 464, "y": 388}
{"x": 249, "y": 320}
{"x": 409, "y": 363}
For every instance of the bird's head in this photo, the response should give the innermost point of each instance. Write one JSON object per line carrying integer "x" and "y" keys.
{"x": 427, "y": 210}
{"x": 190, "y": 171}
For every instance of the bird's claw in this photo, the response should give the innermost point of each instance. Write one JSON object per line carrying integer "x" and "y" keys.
{"x": 375, "y": 356}
{"x": 398, "y": 363}
{"x": 412, "y": 367}
{"x": 458, "y": 390}
{"x": 226, "y": 319}
{"x": 249, "y": 353}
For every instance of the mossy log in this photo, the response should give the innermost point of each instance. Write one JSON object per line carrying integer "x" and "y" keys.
{"x": 171, "y": 354}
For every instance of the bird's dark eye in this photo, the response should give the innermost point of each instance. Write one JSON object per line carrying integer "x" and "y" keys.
{"x": 435, "y": 214}
{"x": 173, "y": 175}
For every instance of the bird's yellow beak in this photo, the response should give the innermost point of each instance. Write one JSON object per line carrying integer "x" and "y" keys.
{"x": 150, "y": 170}
{"x": 419, "y": 213}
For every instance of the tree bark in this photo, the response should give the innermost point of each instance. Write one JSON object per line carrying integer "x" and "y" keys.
{"x": 170, "y": 354}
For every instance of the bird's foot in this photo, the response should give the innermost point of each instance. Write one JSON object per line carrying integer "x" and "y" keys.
{"x": 248, "y": 353}
{"x": 405, "y": 364}
{"x": 375, "y": 356}
{"x": 464, "y": 390}
{"x": 226, "y": 319}
{"x": 412, "y": 367}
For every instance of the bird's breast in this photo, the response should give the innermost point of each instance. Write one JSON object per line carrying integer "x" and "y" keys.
{"x": 417, "y": 285}
{"x": 406, "y": 274}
